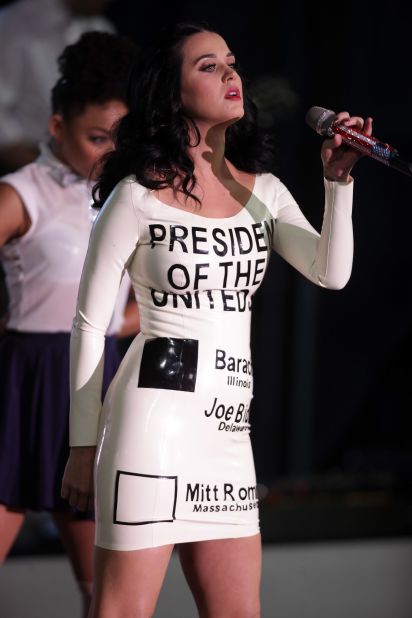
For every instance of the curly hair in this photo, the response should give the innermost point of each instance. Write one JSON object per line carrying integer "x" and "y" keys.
{"x": 152, "y": 139}
{"x": 93, "y": 70}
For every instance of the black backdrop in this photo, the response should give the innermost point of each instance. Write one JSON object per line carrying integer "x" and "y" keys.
{"x": 332, "y": 369}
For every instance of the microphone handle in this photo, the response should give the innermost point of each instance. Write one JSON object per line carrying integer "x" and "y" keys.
{"x": 370, "y": 146}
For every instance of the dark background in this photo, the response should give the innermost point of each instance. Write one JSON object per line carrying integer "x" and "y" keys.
{"x": 331, "y": 422}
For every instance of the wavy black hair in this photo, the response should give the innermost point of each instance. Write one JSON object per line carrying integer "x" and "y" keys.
{"x": 152, "y": 139}
{"x": 93, "y": 70}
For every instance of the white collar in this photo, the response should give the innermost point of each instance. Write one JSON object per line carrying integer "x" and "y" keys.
{"x": 59, "y": 171}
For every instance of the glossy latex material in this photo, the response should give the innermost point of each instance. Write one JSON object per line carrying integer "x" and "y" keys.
{"x": 174, "y": 457}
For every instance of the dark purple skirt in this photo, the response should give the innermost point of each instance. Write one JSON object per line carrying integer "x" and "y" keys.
{"x": 34, "y": 416}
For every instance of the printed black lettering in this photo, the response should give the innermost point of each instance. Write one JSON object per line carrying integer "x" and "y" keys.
{"x": 192, "y": 494}
{"x": 259, "y": 236}
{"x": 229, "y": 413}
{"x": 232, "y": 241}
{"x": 246, "y": 244}
{"x": 231, "y": 364}
{"x": 251, "y": 492}
{"x": 226, "y": 268}
{"x": 198, "y": 239}
{"x": 241, "y": 299}
{"x": 270, "y": 229}
{"x": 159, "y": 298}
{"x": 242, "y": 493}
{"x": 157, "y": 233}
{"x": 227, "y": 297}
{"x": 186, "y": 298}
{"x": 175, "y": 237}
{"x": 221, "y": 252}
{"x": 242, "y": 275}
{"x": 258, "y": 270}
{"x": 220, "y": 362}
{"x": 170, "y": 274}
{"x": 198, "y": 276}
{"x": 228, "y": 491}
{"x": 239, "y": 413}
{"x": 209, "y": 413}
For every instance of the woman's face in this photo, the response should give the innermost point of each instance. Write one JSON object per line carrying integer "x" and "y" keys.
{"x": 84, "y": 138}
{"x": 211, "y": 89}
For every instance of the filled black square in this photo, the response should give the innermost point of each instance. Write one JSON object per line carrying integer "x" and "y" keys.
{"x": 169, "y": 363}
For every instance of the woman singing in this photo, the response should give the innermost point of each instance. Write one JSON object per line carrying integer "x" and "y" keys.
{"x": 191, "y": 211}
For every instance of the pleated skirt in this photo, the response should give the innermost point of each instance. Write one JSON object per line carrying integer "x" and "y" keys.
{"x": 34, "y": 416}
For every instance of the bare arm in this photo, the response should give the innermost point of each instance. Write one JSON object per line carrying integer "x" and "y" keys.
{"x": 14, "y": 218}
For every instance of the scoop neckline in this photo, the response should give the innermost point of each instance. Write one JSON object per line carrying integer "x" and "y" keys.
{"x": 195, "y": 214}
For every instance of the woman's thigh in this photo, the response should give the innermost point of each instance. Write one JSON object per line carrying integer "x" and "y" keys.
{"x": 127, "y": 583}
{"x": 11, "y": 520}
{"x": 78, "y": 539}
{"x": 224, "y": 576}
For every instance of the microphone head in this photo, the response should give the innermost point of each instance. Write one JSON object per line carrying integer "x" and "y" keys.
{"x": 320, "y": 120}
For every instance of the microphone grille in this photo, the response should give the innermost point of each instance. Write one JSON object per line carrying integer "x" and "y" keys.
{"x": 320, "y": 119}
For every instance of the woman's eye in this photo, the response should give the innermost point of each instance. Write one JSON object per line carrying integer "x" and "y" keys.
{"x": 208, "y": 68}
{"x": 233, "y": 65}
{"x": 98, "y": 139}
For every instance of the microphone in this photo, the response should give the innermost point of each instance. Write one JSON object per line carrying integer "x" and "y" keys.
{"x": 323, "y": 121}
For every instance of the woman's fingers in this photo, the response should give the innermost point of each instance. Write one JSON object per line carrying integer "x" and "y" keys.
{"x": 364, "y": 125}
{"x": 367, "y": 127}
{"x": 341, "y": 117}
{"x": 354, "y": 121}
{"x": 337, "y": 155}
{"x": 78, "y": 498}
{"x": 82, "y": 501}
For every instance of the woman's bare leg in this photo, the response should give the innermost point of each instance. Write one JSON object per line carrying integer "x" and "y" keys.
{"x": 127, "y": 583}
{"x": 78, "y": 540}
{"x": 11, "y": 520}
{"x": 224, "y": 576}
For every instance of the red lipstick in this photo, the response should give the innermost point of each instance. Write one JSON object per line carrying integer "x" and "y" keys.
{"x": 233, "y": 93}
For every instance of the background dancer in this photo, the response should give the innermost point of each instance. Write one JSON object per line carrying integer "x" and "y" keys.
{"x": 45, "y": 222}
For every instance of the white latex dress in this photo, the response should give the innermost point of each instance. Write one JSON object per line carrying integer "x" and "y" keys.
{"x": 174, "y": 460}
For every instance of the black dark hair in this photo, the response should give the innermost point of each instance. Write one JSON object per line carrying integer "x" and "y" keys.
{"x": 152, "y": 139}
{"x": 95, "y": 69}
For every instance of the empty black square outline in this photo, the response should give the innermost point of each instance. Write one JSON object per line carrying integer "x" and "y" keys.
{"x": 142, "y": 523}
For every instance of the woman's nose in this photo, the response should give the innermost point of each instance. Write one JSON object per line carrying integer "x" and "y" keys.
{"x": 229, "y": 74}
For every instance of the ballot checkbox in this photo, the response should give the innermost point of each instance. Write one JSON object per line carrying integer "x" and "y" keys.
{"x": 144, "y": 498}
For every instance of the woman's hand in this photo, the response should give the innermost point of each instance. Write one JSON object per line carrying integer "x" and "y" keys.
{"x": 339, "y": 158}
{"x": 77, "y": 484}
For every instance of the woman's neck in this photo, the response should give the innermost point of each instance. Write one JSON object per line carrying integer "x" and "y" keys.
{"x": 56, "y": 151}
{"x": 209, "y": 155}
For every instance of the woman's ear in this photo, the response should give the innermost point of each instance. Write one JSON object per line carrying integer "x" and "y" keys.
{"x": 56, "y": 126}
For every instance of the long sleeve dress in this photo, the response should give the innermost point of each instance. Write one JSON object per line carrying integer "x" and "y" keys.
{"x": 174, "y": 460}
